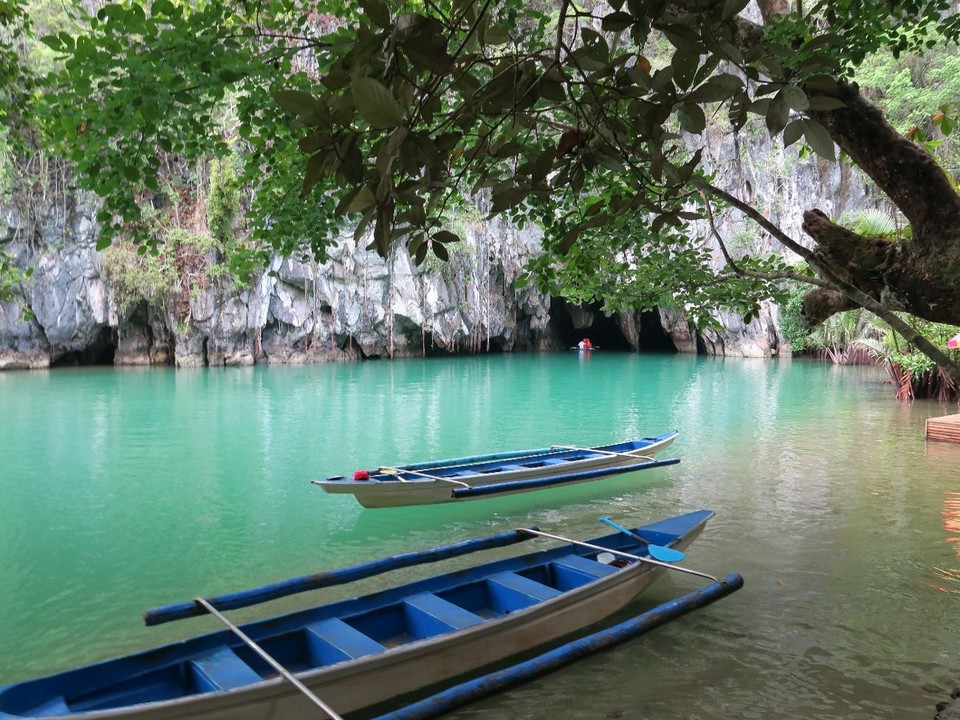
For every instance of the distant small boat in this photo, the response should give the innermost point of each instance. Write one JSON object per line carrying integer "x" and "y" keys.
{"x": 353, "y": 654}
{"x": 504, "y": 473}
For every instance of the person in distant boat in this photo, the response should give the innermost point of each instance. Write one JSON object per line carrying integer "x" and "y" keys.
{"x": 582, "y": 345}
{"x": 587, "y": 344}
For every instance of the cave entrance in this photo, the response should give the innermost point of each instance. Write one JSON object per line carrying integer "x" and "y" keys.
{"x": 653, "y": 336}
{"x": 572, "y": 324}
{"x": 100, "y": 351}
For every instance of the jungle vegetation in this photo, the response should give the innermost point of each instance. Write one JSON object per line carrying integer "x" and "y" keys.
{"x": 583, "y": 118}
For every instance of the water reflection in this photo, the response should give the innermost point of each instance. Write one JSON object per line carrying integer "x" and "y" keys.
{"x": 948, "y": 578}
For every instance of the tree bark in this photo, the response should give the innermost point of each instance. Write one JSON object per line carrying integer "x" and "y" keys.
{"x": 919, "y": 274}
{"x": 902, "y": 168}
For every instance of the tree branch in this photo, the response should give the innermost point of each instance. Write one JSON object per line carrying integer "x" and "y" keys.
{"x": 737, "y": 270}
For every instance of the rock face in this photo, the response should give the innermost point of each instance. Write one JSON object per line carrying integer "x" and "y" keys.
{"x": 354, "y": 306}
{"x": 949, "y": 709}
{"x": 358, "y": 305}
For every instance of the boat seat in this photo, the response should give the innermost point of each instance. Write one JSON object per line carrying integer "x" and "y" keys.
{"x": 511, "y": 468}
{"x": 335, "y": 641}
{"x": 516, "y": 592}
{"x": 52, "y": 707}
{"x": 555, "y": 461}
{"x": 573, "y": 571}
{"x": 222, "y": 670}
{"x": 432, "y": 615}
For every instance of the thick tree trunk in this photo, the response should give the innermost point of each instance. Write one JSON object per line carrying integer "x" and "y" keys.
{"x": 921, "y": 274}
{"x": 906, "y": 172}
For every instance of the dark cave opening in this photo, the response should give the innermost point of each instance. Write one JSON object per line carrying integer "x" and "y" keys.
{"x": 653, "y": 336}
{"x": 604, "y": 332}
{"x": 100, "y": 351}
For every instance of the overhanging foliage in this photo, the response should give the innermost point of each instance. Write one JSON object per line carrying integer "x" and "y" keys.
{"x": 579, "y": 118}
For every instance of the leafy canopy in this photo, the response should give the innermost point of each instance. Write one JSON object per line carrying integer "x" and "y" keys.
{"x": 399, "y": 110}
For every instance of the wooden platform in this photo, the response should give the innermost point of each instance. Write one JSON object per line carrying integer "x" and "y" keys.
{"x": 945, "y": 429}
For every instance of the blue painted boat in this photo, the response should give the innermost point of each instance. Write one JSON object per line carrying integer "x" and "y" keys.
{"x": 506, "y": 473}
{"x": 364, "y": 652}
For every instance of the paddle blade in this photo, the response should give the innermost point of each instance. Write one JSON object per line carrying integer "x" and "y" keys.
{"x": 657, "y": 552}
{"x": 664, "y": 554}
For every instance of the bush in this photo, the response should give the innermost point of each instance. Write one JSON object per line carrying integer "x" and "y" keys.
{"x": 792, "y": 327}
{"x": 138, "y": 276}
{"x": 223, "y": 201}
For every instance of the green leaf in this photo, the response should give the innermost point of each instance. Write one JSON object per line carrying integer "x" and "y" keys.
{"x": 351, "y": 164}
{"x": 568, "y": 240}
{"x": 617, "y": 22}
{"x": 821, "y": 83}
{"x": 297, "y": 102}
{"x": 445, "y": 236}
{"x": 684, "y": 64}
{"x": 440, "y": 250}
{"x": 794, "y": 97}
{"x": 778, "y": 114}
{"x": 793, "y": 132}
{"x": 497, "y": 35}
{"x": 362, "y": 200}
{"x": 717, "y": 89}
{"x": 435, "y": 60}
{"x": 507, "y": 197}
{"x": 692, "y": 118}
{"x": 377, "y": 11}
{"x": 165, "y": 8}
{"x": 819, "y": 139}
{"x": 60, "y": 42}
{"x": 760, "y": 107}
{"x": 317, "y": 167}
{"x": 553, "y": 91}
{"x": 421, "y": 254}
{"x": 375, "y": 103}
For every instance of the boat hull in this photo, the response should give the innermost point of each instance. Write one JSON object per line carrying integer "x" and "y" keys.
{"x": 416, "y": 488}
{"x": 363, "y": 684}
{"x": 411, "y": 667}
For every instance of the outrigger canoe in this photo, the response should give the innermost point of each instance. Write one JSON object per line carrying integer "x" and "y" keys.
{"x": 354, "y": 654}
{"x": 504, "y": 473}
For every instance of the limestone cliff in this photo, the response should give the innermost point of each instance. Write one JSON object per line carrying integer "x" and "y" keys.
{"x": 357, "y": 305}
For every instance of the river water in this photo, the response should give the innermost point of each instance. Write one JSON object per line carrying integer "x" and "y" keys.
{"x": 124, "y": 489}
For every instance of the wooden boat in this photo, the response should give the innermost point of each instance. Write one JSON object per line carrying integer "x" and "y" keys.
{"x": 361, "y": 652}
{"x": 466, "y": 478}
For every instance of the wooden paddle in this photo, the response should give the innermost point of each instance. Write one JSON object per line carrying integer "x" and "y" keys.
{"x": 656, "y": 551}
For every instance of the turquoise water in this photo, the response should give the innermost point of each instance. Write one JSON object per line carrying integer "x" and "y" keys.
{"x": 124, "y": 489}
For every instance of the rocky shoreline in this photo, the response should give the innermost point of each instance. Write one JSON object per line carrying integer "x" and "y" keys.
{"x": 74, "y": 311}
{"x": 949, "y": 709}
